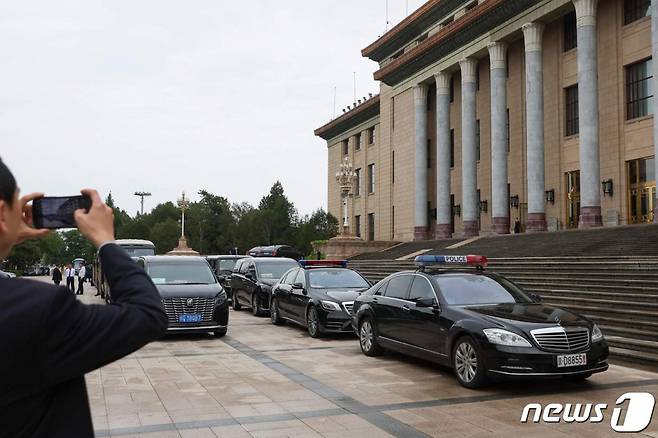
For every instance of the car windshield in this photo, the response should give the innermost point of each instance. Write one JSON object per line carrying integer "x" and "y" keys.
{"x": 268, "y": 271}
{"x": 227, "y": 264}
{"x": 181, "y": 273}
{"x": 336, "y": 279}
{"x": 139, "y": 252}
{"x": 479, "y": 289}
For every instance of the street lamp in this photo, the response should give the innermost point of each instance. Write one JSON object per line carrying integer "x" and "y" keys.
{"x": 142, "y": 195}
{"x": 345, "y": 178}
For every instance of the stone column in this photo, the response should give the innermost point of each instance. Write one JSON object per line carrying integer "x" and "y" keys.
{"x": 469, "y": 207}
{"x": 588, "y": 115}
{"x": 654, "y": 44}
{"x": 534, "y": 97}
{"x": 443, "y": 205}
{"x": 499, "y": 195}
{"x": 420, "y": 162}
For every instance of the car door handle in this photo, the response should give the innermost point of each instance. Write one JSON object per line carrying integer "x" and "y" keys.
{"x": 375, "y": 300}
{"x": 406, "y": 308}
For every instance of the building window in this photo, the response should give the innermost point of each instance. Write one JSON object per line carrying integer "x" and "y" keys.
{"x": 571, "y": 110}
{"x": 371, "y": 136}
{"x": 371, "y": 226}
{"x": 452, "y": 89}
{"x": 477, "y": 77}
{"x": 507, "y": 65}
{"x": 346, "y": 147}
{"x": 509, "y": 142}
{"x": 639, "y": 89}
{"x": 641, "y": 190}
{"x": 636, "y": 9}
{"x": 477, "y": 140}
{"x": 452, "y": 148}
{"x": 393, "y": 222}
{"x": 393, "y": 167}
{"x": 429, "y": 153}
{"x": 357, "y": 226}
{"x": 357, "y": 142}
{"x": 371, "y": 178}
{"x": 357, "y": 187}
{"x": 570, "y": 34}
{"x": 393, "y": 113}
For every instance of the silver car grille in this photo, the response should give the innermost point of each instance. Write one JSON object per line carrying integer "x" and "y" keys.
{"x": 348, "y": 305}
{"x": 561, "y": 338}
{"x": 174, "y": 307}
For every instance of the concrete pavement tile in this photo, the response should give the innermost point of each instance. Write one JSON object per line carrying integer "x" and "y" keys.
{"x": 197, "y": 433}
{"x": 231, "y": 432}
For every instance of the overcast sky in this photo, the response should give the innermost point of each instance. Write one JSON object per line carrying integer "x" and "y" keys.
{"x": 166, "y": 96}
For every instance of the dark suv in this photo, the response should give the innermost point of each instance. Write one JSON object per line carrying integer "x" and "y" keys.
{"x": 252, "y": 280}
{"x": 276, "y": 251}
{"x": 223, "y": 266}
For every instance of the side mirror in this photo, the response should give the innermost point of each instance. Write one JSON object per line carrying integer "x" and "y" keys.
{"x": 251, "y": 276}
{"x": 297, "y": 286}
{"x": 536, "y": 298}
{"x": 425, "y": 302}
{"x": 221, "y": 279}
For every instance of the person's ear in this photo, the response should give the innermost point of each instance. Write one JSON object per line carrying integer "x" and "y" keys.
{"x": 3, "y": 217}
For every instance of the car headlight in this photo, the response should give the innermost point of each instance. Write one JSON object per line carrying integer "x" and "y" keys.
{"x": 597, "y": 334}
{"x": 220, "y": 298}
{"x": 330, "y": 306}
{"x": 504, "y": 337}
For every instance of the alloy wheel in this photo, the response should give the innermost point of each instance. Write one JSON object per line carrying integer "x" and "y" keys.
{"x": 466, "y": 362}
{"x": 365, "y": 336}
{"x": 312, "y": 321}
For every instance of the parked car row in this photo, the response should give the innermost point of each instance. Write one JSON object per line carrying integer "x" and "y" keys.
{"x": 480, "y": 324}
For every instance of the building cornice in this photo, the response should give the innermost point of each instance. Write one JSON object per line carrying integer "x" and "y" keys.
{"x": 358, "y": 115}
{"x": 483, "y": 18}
{"x": 410, "y": 28}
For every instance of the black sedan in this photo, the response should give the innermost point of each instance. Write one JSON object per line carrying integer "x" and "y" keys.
{"x": 478, "y": 323}
{"x": 192, "y": 297}
{"x": 318, "y": 296}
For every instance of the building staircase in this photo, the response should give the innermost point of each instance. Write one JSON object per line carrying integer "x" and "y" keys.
{"x": 619, "y": 293}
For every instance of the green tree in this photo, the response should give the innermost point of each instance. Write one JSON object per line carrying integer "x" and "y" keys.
{"x": 165, "y": 235}
{"x": 53, "y": 249}
{"x": 24, "y": 255}
{"x": 77, "y": 246}
{"x": 277, "y": 216}
{"x": 318, "y": 226}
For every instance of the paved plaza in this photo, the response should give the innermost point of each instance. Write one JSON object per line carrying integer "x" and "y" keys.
{"x": 266, "y": 381}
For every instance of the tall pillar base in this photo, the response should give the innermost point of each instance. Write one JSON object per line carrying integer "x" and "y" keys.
{"x": 590, "y": 217}
{"x": 500, "y": 225}
{"x": 536, "y": 223}
{"x": 471, "y": 229}
{"x": 421, "y": 233}
{"x": 443, "y": 231}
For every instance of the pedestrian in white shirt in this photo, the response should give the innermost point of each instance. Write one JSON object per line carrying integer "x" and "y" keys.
{"x": 70, "y": 277}
{"x": 81, "y": 280}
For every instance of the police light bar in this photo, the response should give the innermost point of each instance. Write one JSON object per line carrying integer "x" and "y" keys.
{"x": 323, "y": 263}
{"x": 434, "y": 260}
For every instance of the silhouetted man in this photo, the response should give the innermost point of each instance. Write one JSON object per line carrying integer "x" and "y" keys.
{"x": 50, "y": 339}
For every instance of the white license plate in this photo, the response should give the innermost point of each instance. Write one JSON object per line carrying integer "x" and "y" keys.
{"x": 571, "y": 360}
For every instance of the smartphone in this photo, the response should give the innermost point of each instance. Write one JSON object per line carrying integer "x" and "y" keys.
{"x": 57, "y": 211}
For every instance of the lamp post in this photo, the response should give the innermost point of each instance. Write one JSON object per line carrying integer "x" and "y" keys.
{"x": 141, "y": 196}
{"x": 183, "y": 204}
{"x": 345, "y": 178}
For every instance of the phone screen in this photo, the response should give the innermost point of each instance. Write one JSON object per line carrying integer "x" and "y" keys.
{"x": 57, "y": 212}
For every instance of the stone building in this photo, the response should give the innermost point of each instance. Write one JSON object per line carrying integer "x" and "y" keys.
{"x": 496, "y": 113}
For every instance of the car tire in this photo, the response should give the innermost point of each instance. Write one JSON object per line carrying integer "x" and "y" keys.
{"x": 256, "y": 309}
{"x": 220, "y": 333}
{"x": 577, "y": 377}
{"x": 274, "y": 313}
{"x": 235, "y": 303}
{"x": 468, "y": 364}
{"x": 368, "y": 339}
{"x": 312, "y": 322}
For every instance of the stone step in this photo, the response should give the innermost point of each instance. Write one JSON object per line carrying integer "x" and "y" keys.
{"x": 627, "y": 332}
{"x": 633, "y": 344}
{"x": 620, "y": 306}
{"x": 634, "y": 356}
{"x": 548, "y": 293}
{"x": 621, "y": 321}
{"x": 549, "y": 283}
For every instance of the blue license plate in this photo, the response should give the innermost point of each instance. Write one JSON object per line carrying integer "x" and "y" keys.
{"x": 189, "y": 318}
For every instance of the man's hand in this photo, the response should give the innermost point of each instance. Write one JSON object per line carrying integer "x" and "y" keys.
{"x": 98, "y": 224}
{"x": 27, "y": 231}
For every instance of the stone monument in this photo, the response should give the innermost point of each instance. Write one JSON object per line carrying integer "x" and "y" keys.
{"x": 182, "y": 249}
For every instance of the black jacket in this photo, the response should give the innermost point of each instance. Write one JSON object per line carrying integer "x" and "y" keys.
{"x": 57, "y": 274}
{"x": 49, "y": 340}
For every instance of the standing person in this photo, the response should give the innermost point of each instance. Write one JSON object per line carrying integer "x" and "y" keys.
{"x": 57, "y": 276}
{"x": 82, "y": 274}
{"x": 50, "y": 340}
{"x": 70, "y": 277}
